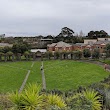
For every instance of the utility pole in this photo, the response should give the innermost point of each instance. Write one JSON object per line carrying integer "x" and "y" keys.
{"x": 43, "y": 77}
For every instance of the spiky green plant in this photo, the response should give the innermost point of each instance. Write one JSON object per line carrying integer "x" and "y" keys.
{"x": 107, "y": 98}
{"x": 29, "y": 99}
{"x": 56, "y": 101}
{"x": 93, "y": 98}
{"x": 86, "y": 100}
{"x": 15, "y": 98}
{"x": 77, "y": 102}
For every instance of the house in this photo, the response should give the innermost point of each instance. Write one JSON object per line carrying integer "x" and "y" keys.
{"x": 90, "y": 41}
{"x": 98, "y": 43}
{"x": 90, "y": 44}
{"x": 79, "y": 46}
{"x": 60, "y": 46}
{"x": 38, "y": 52}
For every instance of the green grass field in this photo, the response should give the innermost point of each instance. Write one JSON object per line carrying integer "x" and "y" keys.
{"x": 62, "y": 75}
{"x": 107, "y": 61}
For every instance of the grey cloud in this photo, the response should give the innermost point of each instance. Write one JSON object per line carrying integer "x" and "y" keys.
{"x": 34, "y": 17}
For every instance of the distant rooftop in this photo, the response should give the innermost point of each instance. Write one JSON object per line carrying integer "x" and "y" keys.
{"x": 60, "y": 44}
{"x": 5, "y": 44}
{"x": 38, "y": 50}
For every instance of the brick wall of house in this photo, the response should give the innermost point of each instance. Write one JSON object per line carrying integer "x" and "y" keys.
{"x": 63, "y": 48}
{"x": 51, "y": 48}
{"x": 100, "y": 47}
{"x": 79, "y": 47}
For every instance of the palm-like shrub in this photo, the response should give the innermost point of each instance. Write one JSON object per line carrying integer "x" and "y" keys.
{"x": 86, "y": 100}
{"x": 32, "y": 99}
{"x": 77, "y": 102}
{"x": 56, "y": 102}
{"x": 15, "y": 98}
{"x": 29, "y": 99}
{"x": 107, "y": 99}
{"x": 93, "y": 98}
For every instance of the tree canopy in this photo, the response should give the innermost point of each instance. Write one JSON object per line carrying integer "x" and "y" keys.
{"x": 97, "y": 34}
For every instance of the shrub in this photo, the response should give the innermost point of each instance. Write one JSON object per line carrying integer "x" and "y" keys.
{"x": 56, "y": 55}
{"x": 32, "y": 99}
{"x": 93, "y": 98}
{"x": 77, "y": 54}
{"x": 29, "y": 99}
{"x": 96, "y": 53}
{"x": 86, "y": 53}
{"x": 86, "y": 100}
{"x": 107, "y": 99}
{"x": 49, "y": 55}
{"x": 56, "y": 101}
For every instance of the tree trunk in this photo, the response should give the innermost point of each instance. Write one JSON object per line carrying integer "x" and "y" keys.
{"x": 5, "y": 58}
{"x": 41, "y": 57}
{"x": 34, "y": 57}
{"x": 54, "y": 56}
{"x": 48, "y": 57}
{"x": 71, "y": 56}
{"x": 12, "y": 57}
{"x": 0, "y": 57}
{"x": 19, "y": 57}
{"x": 26, "y": 57}
{"x": 60, "y": 56}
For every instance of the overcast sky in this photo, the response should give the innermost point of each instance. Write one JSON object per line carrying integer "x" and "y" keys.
{"x": 45, "y": 17}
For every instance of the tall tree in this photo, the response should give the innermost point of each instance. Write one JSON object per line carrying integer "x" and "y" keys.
{"x": 20, "y": 48}
{"x": 97, "y": 34}
{"x": 66, "y": 35}
{"x": 67, "y": 32}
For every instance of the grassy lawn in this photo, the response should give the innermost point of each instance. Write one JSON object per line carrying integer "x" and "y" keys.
{"x": 71, "y": 74}
{"x": 107, "y": 61}
{"x": 12, "y": 75}
{"x": 62, "y": 75}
